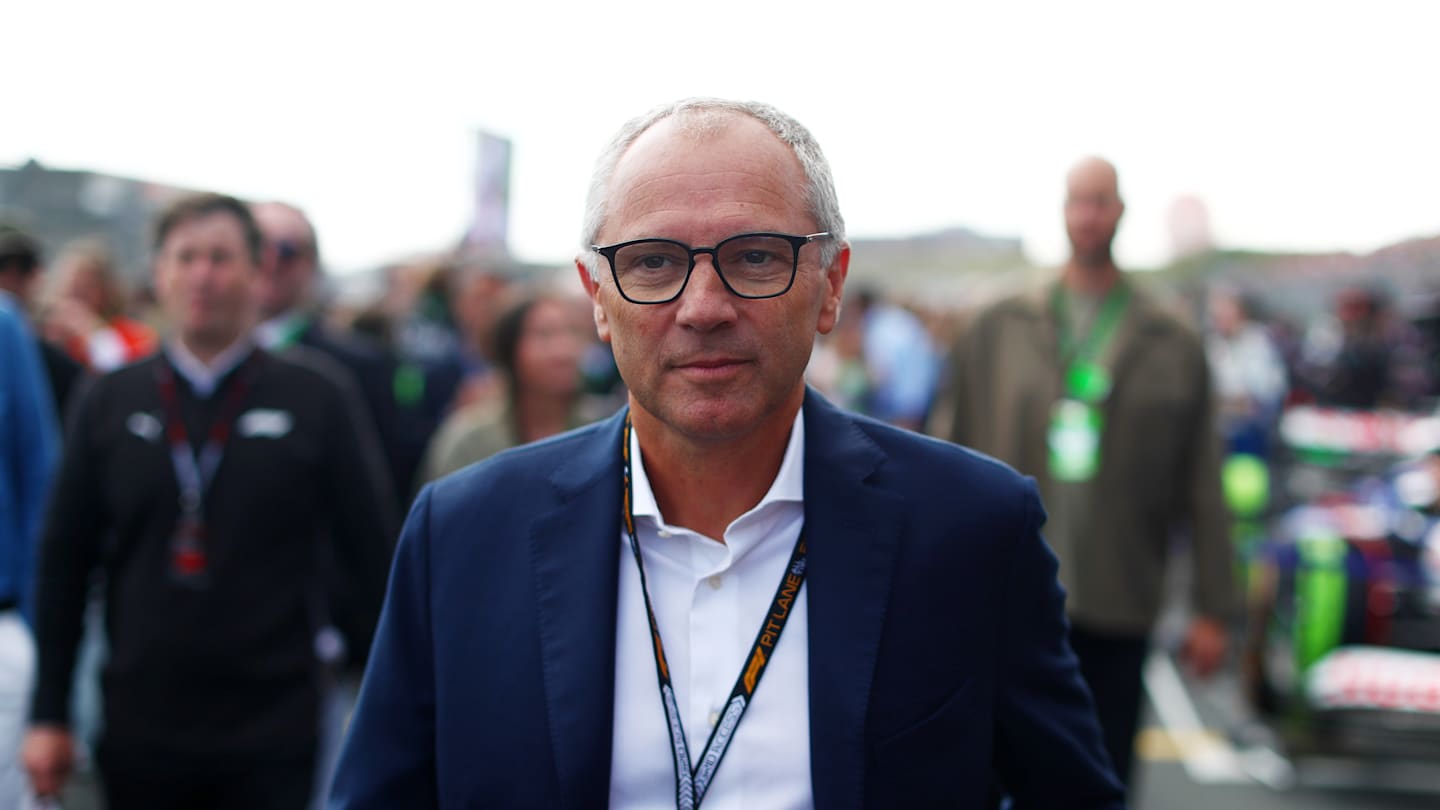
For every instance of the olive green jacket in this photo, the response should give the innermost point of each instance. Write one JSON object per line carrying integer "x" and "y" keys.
{"x": 1159, "y": 475}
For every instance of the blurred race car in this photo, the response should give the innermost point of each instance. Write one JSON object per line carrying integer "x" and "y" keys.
{"x": 1343, "y": 642}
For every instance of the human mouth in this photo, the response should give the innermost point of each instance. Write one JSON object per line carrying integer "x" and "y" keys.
{"x": 710, "y": 368}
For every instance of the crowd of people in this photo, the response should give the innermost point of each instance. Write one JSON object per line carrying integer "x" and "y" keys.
{"x": 218, "y": 466}
{"x": 283, "y": 427}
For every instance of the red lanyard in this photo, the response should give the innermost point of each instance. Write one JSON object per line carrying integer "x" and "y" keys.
{"x": 189, "y": 557}
{"x": 691, "y": 783}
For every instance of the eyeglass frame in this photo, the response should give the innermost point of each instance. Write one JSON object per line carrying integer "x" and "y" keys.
{"x": 23, "y": 263}
{"x": 289, "y": 250}
{"x": 796, "y": 243}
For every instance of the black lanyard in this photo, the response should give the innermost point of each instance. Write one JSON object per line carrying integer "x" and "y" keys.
{"x": 691, "y": 783}
{"x": 194, "y": 473}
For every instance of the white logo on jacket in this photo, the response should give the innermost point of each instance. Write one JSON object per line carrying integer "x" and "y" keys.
{"x": 265, "y": 423}
{"x": 145, "y": 425}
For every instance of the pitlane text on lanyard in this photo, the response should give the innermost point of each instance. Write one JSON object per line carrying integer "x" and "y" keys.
{"x": 693, "y": 782}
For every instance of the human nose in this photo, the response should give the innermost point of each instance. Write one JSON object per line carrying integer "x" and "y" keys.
{"x": 705, "y": 303}
{"x": 202, "y": 266}
{"x": 205, "y": 269}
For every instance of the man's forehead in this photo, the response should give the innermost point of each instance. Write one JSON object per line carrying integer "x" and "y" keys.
{"x": 1093, "y": 176}
{"x": 703, "y": 138}
{"x": 281, "y": 221}
{"x": 736, "y": 160}
{"x": 206, "y": 227}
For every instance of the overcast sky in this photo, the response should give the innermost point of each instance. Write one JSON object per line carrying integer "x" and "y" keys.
{"x": 1300, "y": 125}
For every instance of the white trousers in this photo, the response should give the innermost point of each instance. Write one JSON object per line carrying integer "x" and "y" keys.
{"x": 17, "y": 678}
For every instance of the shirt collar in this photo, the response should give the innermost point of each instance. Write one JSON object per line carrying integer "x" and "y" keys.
{"x": 788, "y": 486}
{"x": 281, "y": 330}
{"x": 205, "y": 378}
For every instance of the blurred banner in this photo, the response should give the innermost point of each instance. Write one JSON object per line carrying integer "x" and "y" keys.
{"x": 490, "y": 224}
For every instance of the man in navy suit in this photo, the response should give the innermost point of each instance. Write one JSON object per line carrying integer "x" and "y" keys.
{"x": 731, "y": 591}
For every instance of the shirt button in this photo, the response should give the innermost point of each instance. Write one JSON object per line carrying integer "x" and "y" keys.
{"x": 715, "y": 582}
{"x": 714, "y": 717}
{"x": 664, "y": 532}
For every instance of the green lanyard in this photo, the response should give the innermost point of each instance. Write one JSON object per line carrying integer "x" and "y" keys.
{"x": 1085, "y": 378}
{"x": 290, "y": 335}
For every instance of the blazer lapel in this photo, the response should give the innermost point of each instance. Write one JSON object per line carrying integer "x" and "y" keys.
{"x": 853, "y": 528}
{"x": 576, "y": 551}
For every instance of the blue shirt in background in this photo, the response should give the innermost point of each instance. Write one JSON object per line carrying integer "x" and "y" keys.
{"x": 29, "y": 449}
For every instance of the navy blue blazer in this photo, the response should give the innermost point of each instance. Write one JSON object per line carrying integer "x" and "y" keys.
{"x": 937, "y": 639}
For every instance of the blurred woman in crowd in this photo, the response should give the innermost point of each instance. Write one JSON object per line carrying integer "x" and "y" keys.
{"x": 86, "y": 311}
{"x": 538, "y": 344}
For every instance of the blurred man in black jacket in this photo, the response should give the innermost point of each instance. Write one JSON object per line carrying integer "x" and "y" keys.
{"x": 203, "y": 482}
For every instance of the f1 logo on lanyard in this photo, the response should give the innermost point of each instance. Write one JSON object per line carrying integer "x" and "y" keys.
{"x": 194, "y": 473}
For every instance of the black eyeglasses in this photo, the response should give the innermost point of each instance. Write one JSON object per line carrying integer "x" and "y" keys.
{"x": 287, "y": 250}
{"x": 23, "y": 264}
{"x": 751, "y": 265}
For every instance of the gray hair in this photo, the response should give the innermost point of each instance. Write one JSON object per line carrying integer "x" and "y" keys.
{"x": 709, "y": 115}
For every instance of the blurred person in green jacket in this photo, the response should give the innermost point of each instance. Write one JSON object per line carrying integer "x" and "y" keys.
{"x": 1096, "y": 389}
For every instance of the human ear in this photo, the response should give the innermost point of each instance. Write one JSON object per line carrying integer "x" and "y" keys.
{"x": 834, "y": 290}
{"x": 592, "y": 289}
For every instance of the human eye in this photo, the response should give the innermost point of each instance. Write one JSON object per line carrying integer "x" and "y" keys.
{"x": 653, "y": 261}
{"x": 757, "y": 255}
{"x": 653, "y": 258}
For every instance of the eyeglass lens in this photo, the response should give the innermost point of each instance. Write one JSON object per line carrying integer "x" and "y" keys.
{"x": 753, "y": 265}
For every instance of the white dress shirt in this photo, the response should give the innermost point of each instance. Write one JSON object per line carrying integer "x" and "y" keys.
{"x": 710, "y": 600}
{"x": 204, "y": 377}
